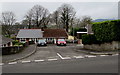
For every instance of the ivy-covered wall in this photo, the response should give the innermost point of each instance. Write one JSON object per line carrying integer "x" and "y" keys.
{"x": 107, "y": 31}
{"x": 104, "y": 32}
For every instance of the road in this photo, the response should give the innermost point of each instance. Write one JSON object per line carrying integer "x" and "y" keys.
{"x": 107, "y": 64}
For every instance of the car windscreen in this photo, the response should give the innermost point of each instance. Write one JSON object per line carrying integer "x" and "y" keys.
{"x": 41, "y": 40}
{"x": 61, "y": 40}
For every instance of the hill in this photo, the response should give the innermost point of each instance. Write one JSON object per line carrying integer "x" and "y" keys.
{"x": 100, "y": 20}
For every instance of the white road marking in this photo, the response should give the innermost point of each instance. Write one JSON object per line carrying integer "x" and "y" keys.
{"x": 103, "y": 55}
{"x": 26, "y": 61}
{"x": 78, "y": 56}
{"x": 115, "y": 54}
{"x": 12, "y": 63}
{"x": 51, "y": 59}
{"x": 66, "y": 58}
{"x": 90, "y": 56}
{"x": 1, "y": 64}
{"x": 38, "y": 60}
{"x": 63, "y": 57}
{"x": 60, "y": 56}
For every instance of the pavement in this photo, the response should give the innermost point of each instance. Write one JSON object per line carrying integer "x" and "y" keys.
{"x": 31, "y": 49}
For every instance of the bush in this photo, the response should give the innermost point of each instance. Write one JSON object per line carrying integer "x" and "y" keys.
{"x": 17, "y": 43}
{"x": 13, "y": 37}
{"x": 107, "y": 31}
{"x": 89, "y": 39}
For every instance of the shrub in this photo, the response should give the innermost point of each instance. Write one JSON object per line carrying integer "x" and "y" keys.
{"x": 89, "y": 39}
{"x": 17, "y": 43}
{"x": 13, "y": 37}
{"x": 107, "y": 31}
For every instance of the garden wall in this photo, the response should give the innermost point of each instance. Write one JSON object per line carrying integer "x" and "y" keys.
{"x": 115, "y": 45}
{"x": 12, "y": 49}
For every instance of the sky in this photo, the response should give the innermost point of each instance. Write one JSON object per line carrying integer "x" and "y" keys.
{"x": 97, "y": 10}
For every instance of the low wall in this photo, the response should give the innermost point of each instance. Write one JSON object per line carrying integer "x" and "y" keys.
{"x": 115, "y": 45}
{"x": 11, "y": 50}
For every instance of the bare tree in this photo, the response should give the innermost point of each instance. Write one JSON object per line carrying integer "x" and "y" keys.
{"x": 67, "y": 13}
{"x": 8, "y": 19}
{"x": 86, "y": 20}
{"x": 28, "y": 18}
{"x": 78, "y": 21}
{"x": 55, "y": 17}
{"x": 39, "y": 14}
{"x": 45, "y": 19}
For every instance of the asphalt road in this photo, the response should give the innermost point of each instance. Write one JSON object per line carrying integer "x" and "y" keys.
{"x": 108, "y": 64}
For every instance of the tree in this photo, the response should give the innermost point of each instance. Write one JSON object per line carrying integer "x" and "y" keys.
{"x": 38, "y": 14}
{"x": 67, "y": 13}
{"x": 86, "y": 20}
{"x": 28, "y": 17}
{"x": 77, "y": 22}
{"x": 45, "y": 20}
{"x": 55, "y": 17}
{"x": 8, "y": 19}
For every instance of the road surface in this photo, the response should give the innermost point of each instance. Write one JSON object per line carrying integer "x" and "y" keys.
{"x": 105, "y": 64}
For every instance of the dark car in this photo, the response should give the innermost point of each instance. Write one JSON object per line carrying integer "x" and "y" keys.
{"x": 61, "y": 42}
{"x": 41, "y": 42}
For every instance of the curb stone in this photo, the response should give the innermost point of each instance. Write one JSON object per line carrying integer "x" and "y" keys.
{"x": 96, "y": 53}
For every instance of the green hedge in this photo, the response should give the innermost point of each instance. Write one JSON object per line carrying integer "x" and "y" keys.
{"x": 89, "y": 39}
{"x": 107, "y": 31}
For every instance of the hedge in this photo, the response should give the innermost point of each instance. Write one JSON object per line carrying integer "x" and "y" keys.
{"x": 89, "y": 39}
{"x": 107, "y": 31}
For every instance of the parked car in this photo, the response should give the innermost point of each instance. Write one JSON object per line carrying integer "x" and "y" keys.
{"x": 61, "y": 42}
{"x": 42, "y": 42}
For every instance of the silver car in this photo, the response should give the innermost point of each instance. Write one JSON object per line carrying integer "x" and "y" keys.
{"x": 42, "y": 42}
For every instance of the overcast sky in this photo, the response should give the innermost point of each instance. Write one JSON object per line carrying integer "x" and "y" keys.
{"x": 97, "y": 10}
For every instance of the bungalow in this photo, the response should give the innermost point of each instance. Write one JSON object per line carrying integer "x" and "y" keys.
{"x": 29, "y": 35}
{"x": 5, "y": 42}
{"x": 51, "y": 35}
{"x": 89, "y": 31}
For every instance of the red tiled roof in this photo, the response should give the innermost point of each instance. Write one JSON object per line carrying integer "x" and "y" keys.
{"x": 55, "y": 33}
{"x": 29, "y": 29}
